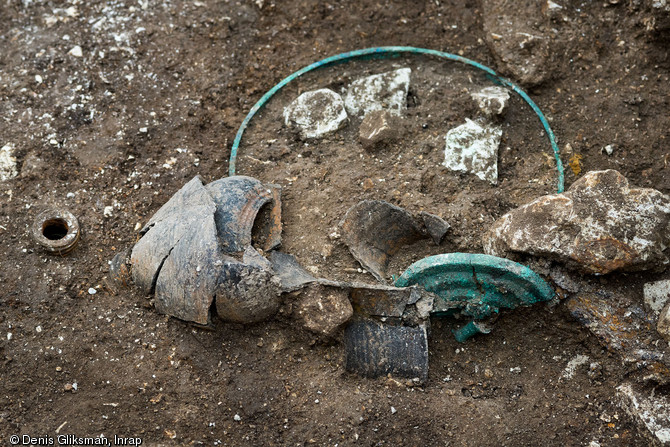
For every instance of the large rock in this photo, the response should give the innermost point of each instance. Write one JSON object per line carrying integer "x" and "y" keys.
{"x": 384, "y": 91}
{"x": 316, "y": 113}
{"x": 473, "y": 147}
{"x": 599, "y": 225}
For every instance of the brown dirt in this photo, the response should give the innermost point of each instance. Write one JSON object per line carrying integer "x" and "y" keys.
{"x": 189, "y": 72}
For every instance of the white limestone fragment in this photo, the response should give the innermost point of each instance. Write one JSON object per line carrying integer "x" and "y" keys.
{"x": 571, "y": 367}
{"x": 384, "y": 91}
{"x": 473, "y": 147}
{"x": 7, "y": 163}
{"x": 656, "y": 295}
{"x": 491, "y": 100}
{"x": 76, "y": 51}
{"x": 316, "y": 113}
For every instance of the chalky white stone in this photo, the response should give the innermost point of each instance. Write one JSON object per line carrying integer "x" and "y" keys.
{"x": 384, "y": 91}
{"x": 473, "y": 147}
{"x": 316, "y": 113}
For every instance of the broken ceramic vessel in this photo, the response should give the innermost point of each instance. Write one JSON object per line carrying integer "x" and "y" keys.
{"x": 375, "y": 230}
{"x": 200, "y": 242}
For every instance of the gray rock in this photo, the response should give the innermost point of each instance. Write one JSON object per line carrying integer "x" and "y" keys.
{"x": 473, "y": 147}
{"x": 323, "y": 309}
{"x": 663, "y": 323}
{"x": 520, "y": 42}
{"x": 491, "y": 100}
{"x": 599, "y": 225}
{"x": 650, "y": 411}
{"x": 316, "y": 113}
{"x": 377, "y": 128}
{"x": 7, "y": 163}
{"x": 657, "y": 294}
{"x": 384, "y": 91}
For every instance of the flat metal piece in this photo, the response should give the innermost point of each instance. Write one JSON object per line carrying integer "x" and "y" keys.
{"x": 375, "y": 349}
{"x": 478, "y": 285}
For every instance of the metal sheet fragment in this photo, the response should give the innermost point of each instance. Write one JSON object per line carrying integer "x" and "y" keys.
{"x": 375, "y": 349}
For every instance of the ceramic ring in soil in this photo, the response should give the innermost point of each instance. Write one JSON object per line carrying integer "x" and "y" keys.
{"x": 56, "y": 230}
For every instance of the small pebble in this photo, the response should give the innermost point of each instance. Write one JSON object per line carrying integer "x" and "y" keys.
{"x": 393, "y": 410}
{"x": 237, "y": 418}
{"x": 76, "y": 51}
{"x": 92, "y": 291}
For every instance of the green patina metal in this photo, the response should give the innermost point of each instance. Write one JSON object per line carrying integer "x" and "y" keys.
{"x": 475, "y": 285}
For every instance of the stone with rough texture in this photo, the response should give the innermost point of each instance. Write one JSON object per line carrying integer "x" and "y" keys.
{"x": 316, "y": 113}
{"x": 520, "y": 42}
{"x": 491, "y": 100}
{"x": 7, "y": 163}
{"x": 473, "y": 147}
{"x": 599, "y": 225}
{"x": 377, "y": 128}
{"x": 663, "y": 323}
{"x": 384, "y": 91}
{"x": 657, "y": 294}
{"x": 650, "y": 410}
{"x": 323, "y": 309}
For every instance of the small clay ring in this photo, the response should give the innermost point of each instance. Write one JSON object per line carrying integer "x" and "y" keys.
{"x": 56, "y": 230}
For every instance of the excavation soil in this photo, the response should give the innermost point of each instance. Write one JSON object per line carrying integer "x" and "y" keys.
{"x": 153, "y": 96}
